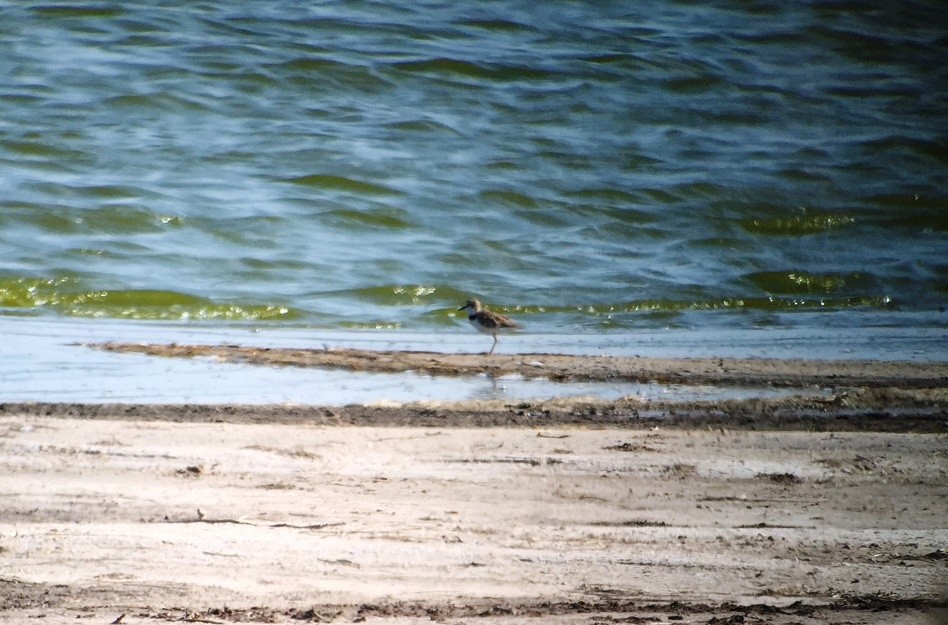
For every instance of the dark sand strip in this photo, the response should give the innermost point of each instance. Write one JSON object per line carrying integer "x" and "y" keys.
{"x": 564, "y": 368}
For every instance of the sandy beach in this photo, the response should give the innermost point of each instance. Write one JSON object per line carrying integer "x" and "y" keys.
{"x": 238, "y": 384}
{"x": 826, "y": 509}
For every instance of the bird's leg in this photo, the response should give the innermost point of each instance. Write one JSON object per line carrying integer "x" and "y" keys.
{"x": 493, "y": 346}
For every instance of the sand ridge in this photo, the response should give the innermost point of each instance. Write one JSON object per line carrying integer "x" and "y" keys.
{"x": 560, "y": 367}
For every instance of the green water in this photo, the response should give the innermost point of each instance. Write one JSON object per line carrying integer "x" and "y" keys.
{"x": 585, "y": 167}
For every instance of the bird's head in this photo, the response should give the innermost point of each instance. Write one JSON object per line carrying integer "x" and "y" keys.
{"x": 471, "y": 305}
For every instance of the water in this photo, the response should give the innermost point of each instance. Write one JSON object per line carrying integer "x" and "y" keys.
{"x": 49, "y": 360}
{"x": 592, "y": 168}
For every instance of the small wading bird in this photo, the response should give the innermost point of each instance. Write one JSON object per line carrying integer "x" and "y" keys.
{"x": 486, "y": 321}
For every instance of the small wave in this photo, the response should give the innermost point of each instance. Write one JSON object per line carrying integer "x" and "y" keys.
{"x": 605, "y": 194}
{"x": 421, "y": 126}
{"x": 67, "y": 296}
{"x": 797, "y": 174}
{"x": 167, "y": 100}
{"x": 868, "y": 45}
{"x": 803, "y": 283}
{"x": 42, "y": 150}
{"x": 341, "y": 183}
{"x": 109, "y": 219}
{"x": 699, "y": 190}
{"x": 390, "y": 219}
{"x": 608, "y": 58}
{"x": 315, "y": 65}
{"x": 496, "y": 25}
{"x": 123, "y": 219}
{"x": 57, "y": 223}
{"x": 130, "y": 100}
{"x": 406, "y": 295}
{"x": 159, "y": 100}
{"x": 896, "y": 144}
{"x": 671, "y": 306}
{"x": 919, "y": 212}
{"x": 309, "y": 72}
{"x": 467, "y": 69}
{"x": 511, "y": 198}
{"x": 109, "y": 192}
{"x": 84, "y": 11}
{"x": 661, "y": 196}
{"x": 777, "y": 38}
{"x": 796, "y": 226}
{"x": 691, "y": 85}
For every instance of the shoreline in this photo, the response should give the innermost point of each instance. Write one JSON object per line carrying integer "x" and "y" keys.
{"x": 564, "y": 368}
{"x": 868, "y": 410}
{"x": 832, "y": 395}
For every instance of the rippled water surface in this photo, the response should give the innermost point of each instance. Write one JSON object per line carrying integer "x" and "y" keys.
{"x": 587, "y": 167}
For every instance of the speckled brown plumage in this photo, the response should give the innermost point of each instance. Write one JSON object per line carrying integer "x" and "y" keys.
{"x": 487, "y": 321}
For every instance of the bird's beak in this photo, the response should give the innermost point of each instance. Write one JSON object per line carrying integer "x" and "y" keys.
{"x": 463, "y": 307}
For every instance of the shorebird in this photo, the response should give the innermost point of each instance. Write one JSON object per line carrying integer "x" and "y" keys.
{"x": 486, "y": 321}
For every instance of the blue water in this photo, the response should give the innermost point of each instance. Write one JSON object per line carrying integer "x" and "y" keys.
{"x": 590, "y": 168}
{"x": 50, "y": 360}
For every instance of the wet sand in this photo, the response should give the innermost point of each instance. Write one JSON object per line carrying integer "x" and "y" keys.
{"x": 564, "y": 368}
{"x": 823, "y": 509}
